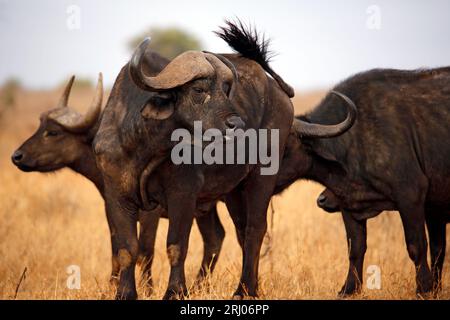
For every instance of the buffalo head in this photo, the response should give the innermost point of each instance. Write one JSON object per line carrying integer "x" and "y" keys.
{"x": 60, "y": 138}
{"x": 194, "y": 86}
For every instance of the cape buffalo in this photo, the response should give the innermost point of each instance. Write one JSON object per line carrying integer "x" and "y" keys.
{"x": 64, "y": 139}
{"x": 225, "y": 91}
{"x": 391, "y": 159}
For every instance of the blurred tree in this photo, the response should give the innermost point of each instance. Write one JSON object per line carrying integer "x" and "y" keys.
{"x": 80, "y": 83}
{"x": 168, "y": 42}
{"x": 8, "y": 94}
{"x": 9, "y": 91}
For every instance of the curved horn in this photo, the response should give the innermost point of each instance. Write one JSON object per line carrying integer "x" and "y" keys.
{"x": 134, "y": 67}
{"x": 230, "y": 65}
{"x": 73, "y": 121}
{"x": 186, "y": 67}
{"x": 227, "y": 62}
{"x": 94, "y": 110}
{"x": 62, "y": 103}
{"x": 312, "y": 130}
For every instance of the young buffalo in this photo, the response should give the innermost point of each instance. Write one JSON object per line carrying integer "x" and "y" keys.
{"x": 64, "y": 139}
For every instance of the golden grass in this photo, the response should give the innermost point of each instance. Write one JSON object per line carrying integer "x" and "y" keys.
{"x": 51, "y": 221}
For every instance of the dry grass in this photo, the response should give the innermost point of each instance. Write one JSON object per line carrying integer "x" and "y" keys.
{"x": 51, "y": 221}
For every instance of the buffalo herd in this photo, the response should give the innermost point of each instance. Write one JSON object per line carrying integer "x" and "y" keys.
{"x": 376, "y": 142}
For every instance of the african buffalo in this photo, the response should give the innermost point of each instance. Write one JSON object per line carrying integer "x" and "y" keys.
{"x": 64, "y": 139}
{"x": 392, "y": 158}
{"x": 225, "y": 92}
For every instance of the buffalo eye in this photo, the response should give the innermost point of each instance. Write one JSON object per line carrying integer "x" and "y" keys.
{"x": 198, "y": 90}
{"x": 50, "y": 133}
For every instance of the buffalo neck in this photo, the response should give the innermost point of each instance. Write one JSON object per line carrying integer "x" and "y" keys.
{"x": 330, "y": 175}
{"x": 87, "y": 167}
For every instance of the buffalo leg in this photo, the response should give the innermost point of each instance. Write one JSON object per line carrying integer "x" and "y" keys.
{"x": 437, "y": 235}
{"x": 258, "y": 191}
{"x": 181, "y": 217}
{"x": 147, "y": 235}
{"x": 356, "y": 241}
{"x": 115, "y": 267}
{"x": 124, "y": 222}
{"x": 413, "y": 219}
{"x": 236, "y": 208}
{"x": 212, "y": 233}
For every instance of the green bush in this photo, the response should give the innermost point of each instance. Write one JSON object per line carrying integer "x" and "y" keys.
{"x": 8, "y": 95}
{"x": 168, "y": 42}
{"x": 8, "y": 92}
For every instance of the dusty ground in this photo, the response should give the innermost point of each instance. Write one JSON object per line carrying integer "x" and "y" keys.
{"x": 51, "y": 221}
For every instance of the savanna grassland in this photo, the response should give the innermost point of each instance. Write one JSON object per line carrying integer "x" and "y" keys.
{"x": 51, "y": 221}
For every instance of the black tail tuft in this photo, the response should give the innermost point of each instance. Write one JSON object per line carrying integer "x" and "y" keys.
{"x": 251, "y": 45}
{"x": 247, "y": 42}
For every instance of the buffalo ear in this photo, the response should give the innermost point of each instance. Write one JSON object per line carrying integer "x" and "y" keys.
{"x": 159, "y": 107}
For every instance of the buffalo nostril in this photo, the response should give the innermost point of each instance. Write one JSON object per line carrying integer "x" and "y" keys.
{"x": 17, "y": 156}
{"x": 234, "y": 123}
{"x": 321, "y": 200}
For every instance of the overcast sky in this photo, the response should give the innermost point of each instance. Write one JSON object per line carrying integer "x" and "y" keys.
{"x": 318, "y": 42}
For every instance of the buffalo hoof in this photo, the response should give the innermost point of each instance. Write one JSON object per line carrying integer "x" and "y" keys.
{"x": 425, "y": 288}
{"x": 345, "y": 295}
{"x": 239, "y": 295}
{"x": 199, "y": 280}
{"x": 426, "y": 295}
{"x": 349, "y": 290}
{"x": 127, "y": 295}
{"x": 175, "y": 294}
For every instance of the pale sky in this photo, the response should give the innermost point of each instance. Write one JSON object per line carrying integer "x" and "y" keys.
{"x": 318, "y": 42}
